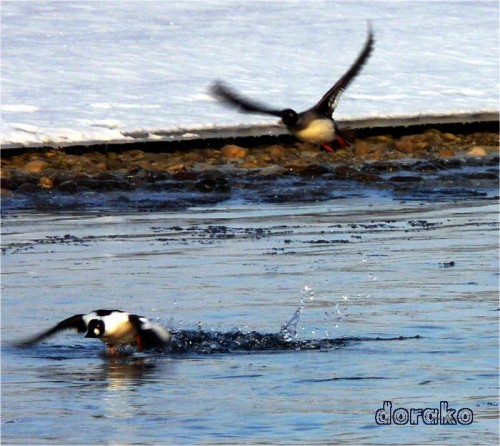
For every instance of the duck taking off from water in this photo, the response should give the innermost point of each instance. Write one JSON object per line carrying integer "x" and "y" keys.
{"x": 315, "y": 125}
{"x": 113, "y": 327}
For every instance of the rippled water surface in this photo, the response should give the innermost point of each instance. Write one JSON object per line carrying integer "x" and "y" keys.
{"x": 362, "y": 270}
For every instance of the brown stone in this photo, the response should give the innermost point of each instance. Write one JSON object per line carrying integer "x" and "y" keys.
{"x": 361, "y": 147}
{"x": 446, "y": 153}
{"x": 276, "y": 152}
{"x": 449, "y": 137}
{"x": 46, "y": 182}
{"x": 36, "y": 166}
{"x": 405, "y": 144}
{"x": 176, "y": 168}
{"x": 113, "y": 164}
{"x": 477, "y": 151}
{"x": 249, "y": 164}
{"x": 383, "y": 139}
{"x": 232, "y": 151}
{"x": 50, "y": 154}
{"x": 5, "y": 172}
{"x": 101, "y": 166}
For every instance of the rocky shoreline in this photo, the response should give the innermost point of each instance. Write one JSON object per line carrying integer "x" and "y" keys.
{"x": 431, "y": 162}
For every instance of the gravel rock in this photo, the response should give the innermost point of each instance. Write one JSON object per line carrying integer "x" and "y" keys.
{"x": 234, "y": 152}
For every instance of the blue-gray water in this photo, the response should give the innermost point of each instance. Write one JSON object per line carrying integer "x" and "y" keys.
{"x": 362, "y": 267}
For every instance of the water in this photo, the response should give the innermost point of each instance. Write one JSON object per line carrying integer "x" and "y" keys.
{"x": 384, "y": 295}
{"x": 353, "y": 269}
{"x": 74, "y": 71}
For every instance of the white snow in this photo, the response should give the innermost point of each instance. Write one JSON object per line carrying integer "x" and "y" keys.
{"x": 75, "y": 71}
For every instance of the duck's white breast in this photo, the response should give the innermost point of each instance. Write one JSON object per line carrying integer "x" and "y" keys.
{"x": 319, "y": 131}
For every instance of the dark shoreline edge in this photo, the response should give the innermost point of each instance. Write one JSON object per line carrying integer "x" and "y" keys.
{"x": 252, "y": 136}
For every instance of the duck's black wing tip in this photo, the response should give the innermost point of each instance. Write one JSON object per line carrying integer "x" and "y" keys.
{"x": 328, "y": 102}
{"x": 226, "y": 94}
{"x": 75, "y": 322}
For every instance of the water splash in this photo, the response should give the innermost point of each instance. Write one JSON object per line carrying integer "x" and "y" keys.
{"x": 289, "y": 329}
{"x": 205, "y": 342}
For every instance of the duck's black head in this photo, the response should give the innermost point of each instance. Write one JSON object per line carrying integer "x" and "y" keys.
{"x": 95, "y": 329}
{"x": 289, "y": 117}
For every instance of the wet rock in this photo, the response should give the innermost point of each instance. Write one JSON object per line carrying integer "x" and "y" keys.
{"x": 477, "y": 151}
{"x": 17, "y": 161}
{"x": 434, "y": 137}
{"x": 313, "y": 170}
{"x": 345, "y": 172}
{"x": 250, "y": 163}
{"x": 446, "y": 153}
{"x": 363, "y": 177}
{"x": 149, "y": 176}
{"x": 493, "y": 161}
{"x": 427, "y": 166}
{"x": 405, "y": 179}
{"x": 69, "y": 186}
{"x": 381, "y": 166}
{"x": 46, "y": 182}
{"x": 6, "y": 172}
{"x": 405, "y": 144}
{"x": 383, "y": 139}
{"x": 5, "y": 182}
{"x": 136, "y": 182}
{"x": 296, "y": 165}
{"x": 412, "y": 143}
{"x": 484, "y": 139}
{"x": 451, "y": 163}
{"x": 113, "y": 163}
{"x": 448, "y": 137}
{"x": 213, "y": 185}
{"x": 6, "y": 193}
{"x": 28, "y": 188}
{"x": 36, "y": 166}
{"x": 362, "y": 147}
{"x": 276, "y": 152}
{"x": 101, "y": 166}
{"x": 176, "y": 168}
{"x": 481, "y": 176}
{"x": 232, "y": 151}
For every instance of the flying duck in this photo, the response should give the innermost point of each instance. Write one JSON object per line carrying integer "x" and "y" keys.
{"x": 113, "y": 327}
{"x": 315, "y": 125}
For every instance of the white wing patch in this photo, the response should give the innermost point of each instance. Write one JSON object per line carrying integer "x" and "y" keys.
{"x": 147, "y": 324}
{"x": 334, "y": 100}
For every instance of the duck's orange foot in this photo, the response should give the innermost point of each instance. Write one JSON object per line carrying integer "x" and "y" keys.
{"x": 112, "y": 351}
{"x": 327, "y": 148}
{"x": 138, "y": 343}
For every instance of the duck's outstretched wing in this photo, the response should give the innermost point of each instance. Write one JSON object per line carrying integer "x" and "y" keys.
{"x": 328, "y": 102}
{"x": 75, "y": 322}
{"x": 229, "y": 96}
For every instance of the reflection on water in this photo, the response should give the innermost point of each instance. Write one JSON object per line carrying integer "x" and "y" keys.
{"x": 347, "y": 270}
